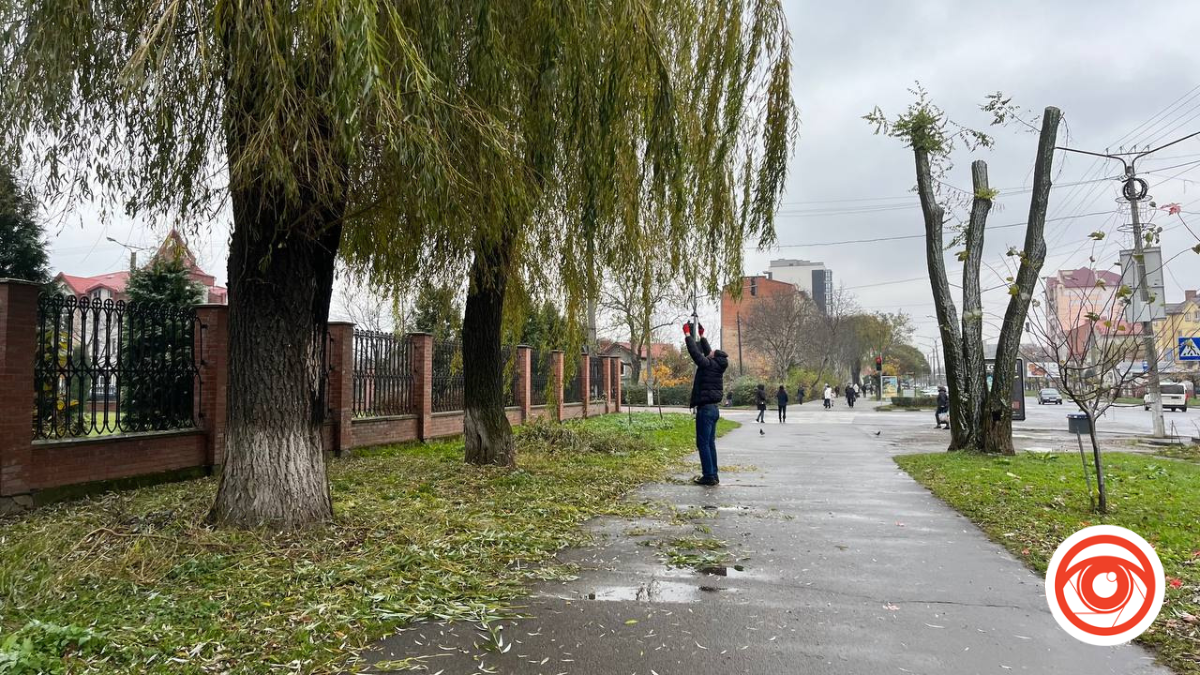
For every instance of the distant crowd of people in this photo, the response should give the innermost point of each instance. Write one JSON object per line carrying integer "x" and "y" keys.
{"x": 828, "y": 394}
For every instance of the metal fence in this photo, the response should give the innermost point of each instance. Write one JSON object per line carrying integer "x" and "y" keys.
{"x": 383, "y": 374}
{"x": 573, "y": 383}
{"x": 447, "y": 376}
{"x": 540, "y": 367}
{"x": 596, "y": 382}
{"x": 105, "y": 367}
{"x": 512, "y": 376}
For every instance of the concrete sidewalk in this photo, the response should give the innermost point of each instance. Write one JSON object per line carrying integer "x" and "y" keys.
{"x": 847, "y": 566}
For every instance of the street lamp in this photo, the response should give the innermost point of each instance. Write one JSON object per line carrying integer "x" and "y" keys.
{"x": 132, "y": 252}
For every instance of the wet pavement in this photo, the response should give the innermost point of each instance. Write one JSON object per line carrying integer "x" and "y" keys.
{"x": 834, "y": 561}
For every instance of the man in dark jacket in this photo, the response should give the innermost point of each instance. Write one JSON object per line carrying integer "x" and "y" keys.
{"x": 706, "y": 395}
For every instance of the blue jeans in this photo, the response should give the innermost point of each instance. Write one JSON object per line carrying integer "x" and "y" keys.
{"x": 706, "y": 438}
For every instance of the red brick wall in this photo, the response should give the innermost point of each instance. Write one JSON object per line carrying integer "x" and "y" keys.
{"x": 743, "y": 305}
{"x": 383, "y": 430}
{"x": 86, "y": 460}
{"x": 572, "y": 411}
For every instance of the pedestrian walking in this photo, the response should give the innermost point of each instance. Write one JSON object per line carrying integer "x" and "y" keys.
{"x": 828, "y": 393}
{"x": 781, "y": 400}
{"x": 800, "y": 395}
{"x": 942, "y": 415}
{"x": 760, "y": 400}
{"x": 837, "y": 391}
{"x": 851, "y": 395}
{"x": 706, "y": 398}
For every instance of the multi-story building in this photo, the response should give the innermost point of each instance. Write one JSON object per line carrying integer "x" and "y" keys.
{"x": 811, "y": 278}
{"x": 736, "y": 310}
{"x": 1072, "y": 296}
{"x": 1182, "y": 321}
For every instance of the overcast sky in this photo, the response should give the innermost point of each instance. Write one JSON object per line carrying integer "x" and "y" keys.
{"x": 1122, "y": 73}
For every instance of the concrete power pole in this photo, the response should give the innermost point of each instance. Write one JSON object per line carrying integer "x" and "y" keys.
{"x": 1134, "y": 191}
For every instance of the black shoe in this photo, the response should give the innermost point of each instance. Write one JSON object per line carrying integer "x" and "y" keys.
{"x": 701, "y": 480}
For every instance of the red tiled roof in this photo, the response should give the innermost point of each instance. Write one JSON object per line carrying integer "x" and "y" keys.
{"x": 658, "y": 349}
{"x": 83, "y": 285}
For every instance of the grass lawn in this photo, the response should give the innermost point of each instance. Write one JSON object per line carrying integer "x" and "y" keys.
{"x": 135, "y": 582}
{"x": 1030, "y": 503}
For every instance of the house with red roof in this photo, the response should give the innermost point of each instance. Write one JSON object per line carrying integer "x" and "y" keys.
{"x": 111, "y": 286}
{"x": 1075, "y": 297}
{"x": 624, "y": 351}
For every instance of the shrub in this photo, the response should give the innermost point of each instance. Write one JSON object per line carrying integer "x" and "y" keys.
{"x": 636, "y": 395}
{"x": 914, "y": 402}
{"x": 548, "y": 436}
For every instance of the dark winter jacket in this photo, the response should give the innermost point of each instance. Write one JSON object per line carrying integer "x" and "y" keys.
{"x": 943, "y": 401}
{"x": 781, "y": 397}
{"x": 710, "y": 374}
{"x": 760, "y": 398}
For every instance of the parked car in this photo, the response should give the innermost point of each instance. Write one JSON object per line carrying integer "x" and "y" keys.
{"x": 1049, "y": 396}
{"x": 931, "y": 392}
{"x": 1174, "y": 396}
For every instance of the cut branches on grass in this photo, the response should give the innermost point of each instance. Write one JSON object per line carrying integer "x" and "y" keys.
{"x": 1030, "y": 504}
{"x": 137, "y": 582}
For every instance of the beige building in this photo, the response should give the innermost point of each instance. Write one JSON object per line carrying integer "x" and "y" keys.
{"x": 1073, "y": 295}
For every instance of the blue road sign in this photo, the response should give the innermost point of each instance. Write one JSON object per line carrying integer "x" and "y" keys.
{"x": 1189, "y": 349}
{"x": 1145, "y": 367}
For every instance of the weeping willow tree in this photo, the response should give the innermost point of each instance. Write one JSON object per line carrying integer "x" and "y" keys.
{"x": 494, "y": 136}
{"x": 643, "y": 130}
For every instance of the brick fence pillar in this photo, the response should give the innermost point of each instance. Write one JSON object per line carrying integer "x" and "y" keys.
{"x": 341, "y": 385}
{"x": 606, "y": 369}
{"x": 616, "y": 378}
{"x": 524, "y": 375}
{"x": 213, "y": 351}
{"x": 556, "y": 367}
{"x": 422, "y": 382}
{"x": 18, "y": 349}
{"x": 586, "y": 383}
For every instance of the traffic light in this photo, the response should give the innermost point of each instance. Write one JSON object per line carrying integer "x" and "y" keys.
{"x": 879, "y": 364}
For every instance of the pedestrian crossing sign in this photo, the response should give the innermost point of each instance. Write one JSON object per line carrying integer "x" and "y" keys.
{"x": 1189, "y": 349}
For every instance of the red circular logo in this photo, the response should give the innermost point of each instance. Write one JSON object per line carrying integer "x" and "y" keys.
{"x": 1105, "y": 585}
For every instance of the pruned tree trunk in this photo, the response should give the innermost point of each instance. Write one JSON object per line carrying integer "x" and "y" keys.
{"x": 974, "y": 374}
{"x": 280, "y": 283}
{"x": 486, "y": 431}
{"x": 997, "y": 414}
{"x": 1101, "y": 489}
{"x": 961, "y": 427}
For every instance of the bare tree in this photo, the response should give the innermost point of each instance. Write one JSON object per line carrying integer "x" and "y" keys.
{"x": 1095, "y": 351}
{"x": 640, "y": 305}
{"x": 828, "y": 333}
{"x": 778, "y": 327}
{"x": 979, "y": 420}
{"x": 371, "y": 308}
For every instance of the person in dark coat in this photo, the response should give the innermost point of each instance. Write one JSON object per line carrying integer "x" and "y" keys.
{"x": 760, "y": 400}
{"x": 781, "y": 400}
{"x": 851, "y": 395}
{"x": 707, "y": 389}
{"x": 943, "y": 408}
{"x": 800, "y": 395}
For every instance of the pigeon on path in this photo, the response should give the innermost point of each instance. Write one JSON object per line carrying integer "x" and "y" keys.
{"x": 878, "y": 432}
{"x": 761, "y": 432}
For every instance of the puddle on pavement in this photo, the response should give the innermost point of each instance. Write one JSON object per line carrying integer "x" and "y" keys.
{"x": 710, "y": 507}
{"x": 656, "y": 591}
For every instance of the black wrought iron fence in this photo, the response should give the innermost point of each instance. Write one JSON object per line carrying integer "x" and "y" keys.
{"x": 573, "y": 382}
{"x": 540, "y": 367}
{"x": 508, "y": 356}
{"x": 383, "y": 374}
{"x": 447, "y": 376}
{"x": 105, "y": 367}
{"x": 596, "y": 379}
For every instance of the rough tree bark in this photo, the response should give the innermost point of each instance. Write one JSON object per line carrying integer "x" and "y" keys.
{"x": 974, "y": 377}
{"x": 997, "y": 414}
{"x": 961, "y": 428}
{"x": 280, "y": 283}
{"x": 486, "y": 431}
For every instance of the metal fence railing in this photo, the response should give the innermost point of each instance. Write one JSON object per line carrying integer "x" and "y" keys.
{"x": 105, "y": 367}
{"x": 508, "y": 356}
{"x": 383, "y": 374}
{"x": 539, "y": 376}
{"x": 573, "y": 383}
{"x": 596, "y": 379}
{"x": 447, "y": 376}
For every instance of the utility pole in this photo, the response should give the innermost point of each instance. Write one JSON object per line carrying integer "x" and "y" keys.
{"x": 1134, "y": 191}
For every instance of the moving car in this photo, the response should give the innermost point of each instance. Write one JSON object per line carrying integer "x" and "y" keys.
{"x": 931, "y": 392}
{"x": 1049, "y": 396}
{"x": 1174, "y": 396}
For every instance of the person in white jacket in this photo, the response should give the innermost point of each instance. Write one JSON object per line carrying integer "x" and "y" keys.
{"x": 828, "y": 396}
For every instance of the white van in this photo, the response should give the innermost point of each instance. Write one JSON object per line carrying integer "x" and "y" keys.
{"x": 1174, "y": 396}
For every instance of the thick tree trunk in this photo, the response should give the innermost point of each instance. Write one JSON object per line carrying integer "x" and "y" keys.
{"x": 280, "y": 282}
{"x": 486, "y": 431}
{"x": 974, "y": 376}
{"x": 998, "y": 410}
{"x": 962, "y": 428}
